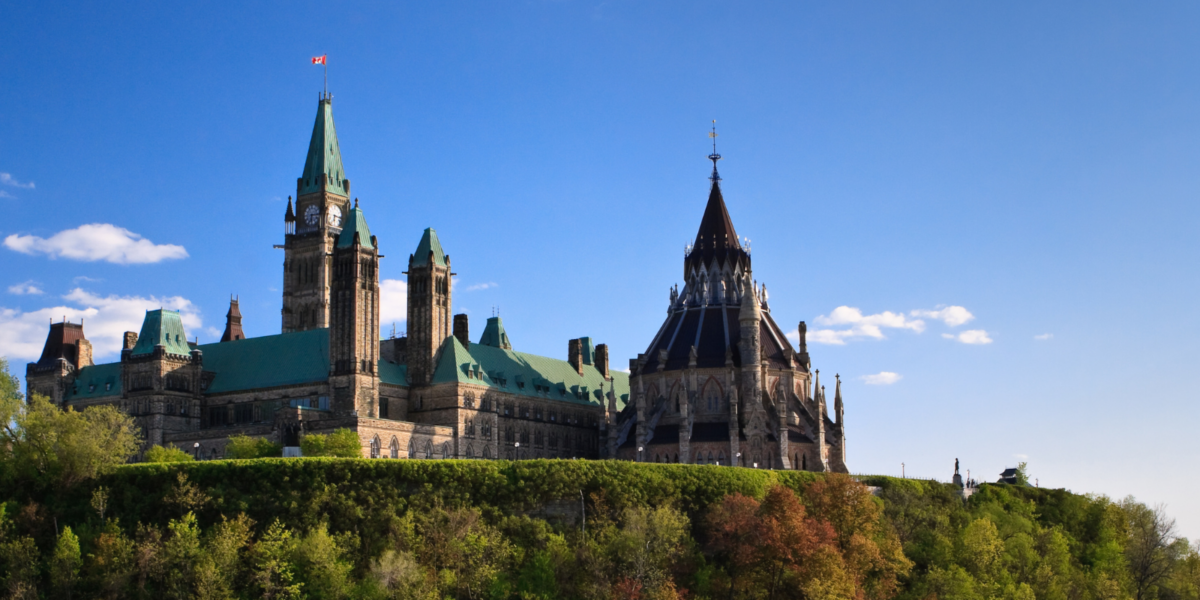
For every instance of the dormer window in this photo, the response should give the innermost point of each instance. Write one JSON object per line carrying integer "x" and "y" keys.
{"x": 91, "y": 387}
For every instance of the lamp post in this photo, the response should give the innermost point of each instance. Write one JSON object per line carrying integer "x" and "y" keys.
{"x": 641, "y": 458}
{"x": 196, "y": 450}
{"x": 518, "y": 445}
{"x": 902, "y": 475}
{"x": 737, "y": 460}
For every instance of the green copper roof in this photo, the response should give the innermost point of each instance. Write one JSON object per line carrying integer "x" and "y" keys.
{"x": 494, "y": 335}
{"x": 96, "y": 381}
{"x": 355, "y": 225}
{"x": 527, "y": 374}
{"x": 429, "y": 243}
{"x": 163, "y": 327}
{"x": 324, "y": 155}
{"x": 393, "y": 373}
{"x": 268, "y": 361}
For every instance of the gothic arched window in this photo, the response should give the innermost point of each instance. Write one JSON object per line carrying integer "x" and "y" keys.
{"x": 446, "y": 450}
{"x": 375, "y": 447}
{"x": 394, "y": 448}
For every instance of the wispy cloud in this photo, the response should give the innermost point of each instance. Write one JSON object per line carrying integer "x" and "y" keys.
{"x": 79, "y": 278}
{"x": 4, "y": 194}
{"x": 481, "y": 286}
{"x": 106, "y": 319}
{"x": 971, "y": 336}
{"x": 952, "y": 316}
{"x": 29, "y": 288}
{"x": 882, "y": 378}
{"x": 8, "y": 179}
{"x": 97, "y": 242}
{"x": 1044, "y": 336}
{"x": 393, "y": 303}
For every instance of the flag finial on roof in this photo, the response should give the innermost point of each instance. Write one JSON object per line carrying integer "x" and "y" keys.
{"x": 714, "y": 156}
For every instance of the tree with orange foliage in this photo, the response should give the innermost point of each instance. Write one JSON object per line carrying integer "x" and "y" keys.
{"x": 873, "y": 556}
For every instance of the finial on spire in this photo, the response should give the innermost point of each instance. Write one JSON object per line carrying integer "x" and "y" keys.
{"x": 714, "y": 156}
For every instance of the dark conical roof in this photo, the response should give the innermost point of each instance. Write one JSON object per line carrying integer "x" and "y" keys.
{"x": 716, "y": 237}
{"x": 716, "y": 223}
{"x": 324, "y": 156}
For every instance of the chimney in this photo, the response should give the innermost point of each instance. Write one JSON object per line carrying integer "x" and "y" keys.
{"x": 575, "y": 355}
{"x": 602, "y": 359}
{"x": 83, "y": 355}
{"x": 130, "y": 340}
{"x": 462, "y": 330}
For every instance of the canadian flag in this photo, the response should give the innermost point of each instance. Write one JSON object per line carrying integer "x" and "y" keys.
{"x": 319, "y": 60}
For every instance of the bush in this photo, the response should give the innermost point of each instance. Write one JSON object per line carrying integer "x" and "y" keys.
{"x": 158, "y": 454}
{"x": 242, "y": 446}
{"x": 341, "y": 443}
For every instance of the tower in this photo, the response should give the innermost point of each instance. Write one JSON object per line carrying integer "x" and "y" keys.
{"x": 354, "y": 318}
{"x": 322, "y": 197}
{"x": 233, "y": 320}
{"x": 429, "y": 320}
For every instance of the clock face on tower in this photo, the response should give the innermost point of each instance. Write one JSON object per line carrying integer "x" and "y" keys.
{"x": 334, "y": 216}
{"x": 312, "y": 215}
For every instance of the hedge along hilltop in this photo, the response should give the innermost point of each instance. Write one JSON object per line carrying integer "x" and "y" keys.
{"x": 1005, "y": 542}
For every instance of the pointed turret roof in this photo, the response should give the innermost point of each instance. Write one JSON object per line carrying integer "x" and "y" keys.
{"x": 324, "y": 155}
{"x": 233, "y": 323}
{"x": 355, "y": 227}
{"x": 62, "y": 342}
{"x": 494, "y": 335}
{"x": 290, "y": 215}
{"x": 429, "y": 243}
{"x": 716, "y": 238}
{"x": 162, "y": 327}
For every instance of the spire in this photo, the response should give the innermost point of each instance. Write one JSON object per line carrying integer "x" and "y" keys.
{"x": 323, "y": 166}
{"x": 429, "y": 243}
{"x": 817, "y": 385}
{"x": 290, "y": 215}
{"x": 716, "y": 238}
{"x": 233, "y": 323}
{"x": 837, "y": 398}
{"x": 355, "y": 228}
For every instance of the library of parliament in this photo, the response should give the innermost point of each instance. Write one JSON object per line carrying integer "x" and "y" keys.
{"x": 719, "y": 383}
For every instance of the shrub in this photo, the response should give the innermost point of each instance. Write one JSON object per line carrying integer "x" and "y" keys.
{"x": 158, "y": 454}
{"x": 341, "y": 443}
{"x": 242, "y": 446}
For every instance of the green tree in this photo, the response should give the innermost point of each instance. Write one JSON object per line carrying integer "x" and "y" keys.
{"x": 109, "y": 568}
{"x": 321, "y": 564}
{"x": 55, "y": 447}
{"x": 65, "y": 563}
{"x": 181, "y": 552}
{"x": 1152, "y": 549}
{"x": 1022, "y": 473}
{"x": 221, "y": 566}
{"x": 158, "y": 454}
{"x": 342, "y": 443}
{"x": 246, "y": 447}
{"x": 273, "y": 573}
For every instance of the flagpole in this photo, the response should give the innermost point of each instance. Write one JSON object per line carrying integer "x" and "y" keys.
{"x": 325, "y": 67}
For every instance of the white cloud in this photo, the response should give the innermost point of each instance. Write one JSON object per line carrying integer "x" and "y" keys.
{"x": 882, "y": 378}
{"x": 971, "y": 336}
{"x": 393, "y": 303}
{"x": 79, "y": 278}
{"x": 29, "y": 288}
{"x": 952, "y": 316}
{"x": 4, "y": 194}
{"x": 105, "y": 319}
{"x": 7, "y": 179}
{"x": 1044, "y": 336}
{"x": 482, "y": 286}
{"x": 861, "y": 326}
{"x": 96, "y": 241}
{"x": 1021, "y": 456}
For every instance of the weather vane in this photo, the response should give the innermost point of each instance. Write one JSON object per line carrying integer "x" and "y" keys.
{"x": 714, "y": 156}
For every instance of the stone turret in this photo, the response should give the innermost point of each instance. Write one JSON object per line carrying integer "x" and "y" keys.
{"x": 233, "y": 323}
{"x": 354, "y": 325}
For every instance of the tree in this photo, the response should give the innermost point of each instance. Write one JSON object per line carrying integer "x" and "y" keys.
{"x": 733, "y": 528}
{"x": 321, "y": 564}
{"x": 271, "y": 561}
{"x": 64, "y": 564}
{"x": 341, "y": 443}
{"x": 50, "y": 447}
{"x": 1022, "y": 473}
{"x": 1151, "y": 549}
{"x": 245, "y": 447}
{"x": 158, "y": 454}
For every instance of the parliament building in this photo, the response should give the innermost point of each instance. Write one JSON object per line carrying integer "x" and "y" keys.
{"x": 719, "y": 382}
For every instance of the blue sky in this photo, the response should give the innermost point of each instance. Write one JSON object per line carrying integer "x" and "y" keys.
{"x": 1033, "y": 165}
